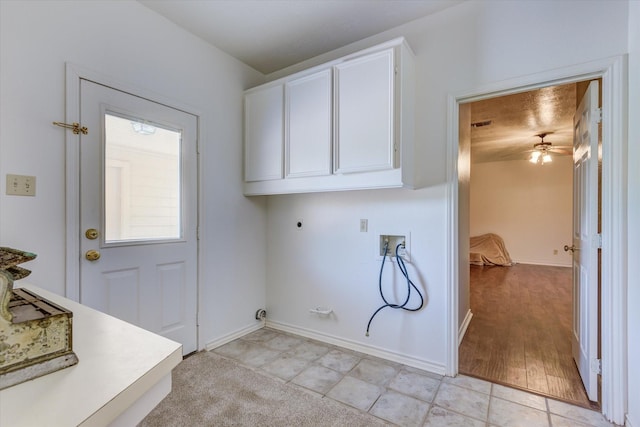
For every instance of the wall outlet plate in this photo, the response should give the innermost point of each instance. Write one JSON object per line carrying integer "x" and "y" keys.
{"x": 21, "y": 185}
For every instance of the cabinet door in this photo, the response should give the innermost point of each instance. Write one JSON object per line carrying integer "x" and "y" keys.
{"x": 308, "y": 125}
{"x": 365, "y": 113}
{"x": 264, "y": 134}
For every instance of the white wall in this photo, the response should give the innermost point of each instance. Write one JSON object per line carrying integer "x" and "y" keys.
{"x": 328, "y": 262}
{"x": 529, "y": 206}
{"x": 633, "y": 193}
{"x": 460, "y": 49}
{"x": 131, "y": 44}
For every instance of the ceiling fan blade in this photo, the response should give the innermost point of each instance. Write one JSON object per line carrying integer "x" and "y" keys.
{"x": 559, "y": 150}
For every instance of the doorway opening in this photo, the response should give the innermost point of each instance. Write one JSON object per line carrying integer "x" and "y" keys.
{"x": 613, "y": 304}
{"x": 519, "y": 192}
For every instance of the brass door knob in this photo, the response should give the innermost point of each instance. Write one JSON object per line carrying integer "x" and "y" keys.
{"x": 91, "y": 234}
{"x": 92, "y": 255}
{"x": 568, "y": 248}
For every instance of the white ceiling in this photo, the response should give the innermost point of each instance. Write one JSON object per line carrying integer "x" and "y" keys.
{"x": 270, "y": 35}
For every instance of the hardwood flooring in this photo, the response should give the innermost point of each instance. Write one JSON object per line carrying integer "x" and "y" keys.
{"x": 520, "y": 333}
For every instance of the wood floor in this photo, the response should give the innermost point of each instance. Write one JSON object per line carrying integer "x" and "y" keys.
{"x": 520, "y": 333}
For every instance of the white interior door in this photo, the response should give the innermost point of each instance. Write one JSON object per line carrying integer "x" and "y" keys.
{"x": 586, "y": 240}
{"x": 138, "y": 212}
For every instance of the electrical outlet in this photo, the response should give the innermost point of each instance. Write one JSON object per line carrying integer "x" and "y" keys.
{"x": 364, "y": 225}
{"x": 21, "y": 185}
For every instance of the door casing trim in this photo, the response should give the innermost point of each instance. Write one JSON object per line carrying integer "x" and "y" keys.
{"x": 613, "y": 72}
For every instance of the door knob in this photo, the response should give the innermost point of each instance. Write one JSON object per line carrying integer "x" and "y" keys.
{"x": 92, "y": 255}
{"x": 91, "y": 234}
{"x": 571, "y": 248}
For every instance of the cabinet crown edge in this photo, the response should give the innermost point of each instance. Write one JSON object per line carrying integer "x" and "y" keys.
{"x": 396, "y": 42}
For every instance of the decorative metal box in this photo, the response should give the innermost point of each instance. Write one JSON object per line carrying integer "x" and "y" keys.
{"x": 35, "y": 334}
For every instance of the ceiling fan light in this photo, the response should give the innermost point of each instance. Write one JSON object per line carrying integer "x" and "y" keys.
{"x": 546, "y": 158}
{"x": 534, "y": 157}
{"x": 143, "y": 128}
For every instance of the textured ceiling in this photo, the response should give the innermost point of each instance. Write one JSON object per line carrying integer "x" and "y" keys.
{"x": 270, "y": 35}
{"x": 517, "y": 119}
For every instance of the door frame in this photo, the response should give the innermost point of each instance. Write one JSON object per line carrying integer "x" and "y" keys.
{"x": 613, "y": 72}
{"x": 73, "y": 75}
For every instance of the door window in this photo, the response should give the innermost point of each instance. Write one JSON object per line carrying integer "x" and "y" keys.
{"x": 142, "y": 176}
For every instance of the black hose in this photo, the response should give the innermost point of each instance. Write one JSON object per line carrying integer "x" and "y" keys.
{"x": 403, "y": 269}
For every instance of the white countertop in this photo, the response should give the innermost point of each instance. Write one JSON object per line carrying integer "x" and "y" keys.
{"x": 119, "y": 366}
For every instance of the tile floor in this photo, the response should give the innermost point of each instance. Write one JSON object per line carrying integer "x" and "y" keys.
{"x": 398, "y": 394}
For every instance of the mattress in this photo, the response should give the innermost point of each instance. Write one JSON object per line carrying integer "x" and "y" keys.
{"x": 489, "y": 249}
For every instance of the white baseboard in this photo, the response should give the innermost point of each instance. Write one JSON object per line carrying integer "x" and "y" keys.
{"x": 233, "y": 335}
{"x": 425, "y": 365}
{"x": 464, "y": 326}
{"x": 544, "y": 263}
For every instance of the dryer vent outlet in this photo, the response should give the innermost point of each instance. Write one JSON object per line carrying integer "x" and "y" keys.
{"x": 261, "y": 314}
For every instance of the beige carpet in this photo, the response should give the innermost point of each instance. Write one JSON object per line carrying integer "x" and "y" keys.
{"x": 209, "y": 390}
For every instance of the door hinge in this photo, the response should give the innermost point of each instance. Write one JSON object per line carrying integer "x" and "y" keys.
{"x": 599, "y": 240}
{"x": 598, "y": 115}
{"x": 596, "y": 366}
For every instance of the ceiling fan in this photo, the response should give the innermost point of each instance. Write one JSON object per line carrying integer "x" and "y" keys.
{"x": 542, "y": 150}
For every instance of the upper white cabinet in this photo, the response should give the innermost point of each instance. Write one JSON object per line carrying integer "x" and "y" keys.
{"x": 344, "y": 125}
{"x": 364, "y": 113}
{"x": 264, "y": 133}
{"x": 308, "y": 131}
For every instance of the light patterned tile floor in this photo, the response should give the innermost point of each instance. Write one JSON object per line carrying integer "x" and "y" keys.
{"x": 400, "y": 395}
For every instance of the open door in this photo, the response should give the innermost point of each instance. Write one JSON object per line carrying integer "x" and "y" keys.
{"x": 586, "y": 240}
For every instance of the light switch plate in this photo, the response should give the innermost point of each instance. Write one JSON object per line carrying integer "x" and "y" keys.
{"x": 21, "y": 185}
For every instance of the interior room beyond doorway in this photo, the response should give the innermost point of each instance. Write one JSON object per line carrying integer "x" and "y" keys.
{"x": 520, "y": 333}
{"x": 525, "y": 198}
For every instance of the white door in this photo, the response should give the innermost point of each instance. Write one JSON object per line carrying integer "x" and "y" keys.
{"x": 586, "y": 240}
{"x": 138, "y": 212}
